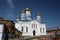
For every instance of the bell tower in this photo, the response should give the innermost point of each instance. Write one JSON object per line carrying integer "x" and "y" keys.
{"x": 38, "y": 17}
{"x": 23, "y": 15}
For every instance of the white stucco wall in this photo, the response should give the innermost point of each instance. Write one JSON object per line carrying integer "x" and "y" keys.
{"x": 29, "y": 24}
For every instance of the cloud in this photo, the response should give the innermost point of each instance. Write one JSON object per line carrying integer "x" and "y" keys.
{"x": 10, "y": 3}
{"x": 9, "y": 12}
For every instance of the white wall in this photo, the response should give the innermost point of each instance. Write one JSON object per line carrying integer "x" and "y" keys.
{"x": 1, "y": 31}
{"x": 19, "y": 26}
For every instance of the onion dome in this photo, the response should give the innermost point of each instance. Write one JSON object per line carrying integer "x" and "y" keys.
{"x": 38, "y": 14}
{"x": 27, "y": 9}
{"x": 23, "y": 11}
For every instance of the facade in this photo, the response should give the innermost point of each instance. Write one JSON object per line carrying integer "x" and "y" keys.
{"x": 29, "y": 26}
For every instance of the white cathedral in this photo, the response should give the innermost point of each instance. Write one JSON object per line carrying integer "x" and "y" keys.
{"x": 29, "y": 26}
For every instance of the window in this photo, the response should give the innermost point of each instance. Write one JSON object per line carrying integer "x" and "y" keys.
{"x": 34, "y": 26}
{"x": 22, "y": 29}
{"x": 40, "y": 29}
{"x": 26, "y": 29}
{"x": 43, "y": 29}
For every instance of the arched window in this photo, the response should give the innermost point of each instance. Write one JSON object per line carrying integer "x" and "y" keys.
{"x": 22, "y": 29}
{"x": 43, "y": 29}
{"x": 26, "y": 29}
{"x": 34, "y": 26}
{"x": 40, "y": 29}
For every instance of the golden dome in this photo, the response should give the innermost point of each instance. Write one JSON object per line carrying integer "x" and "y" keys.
{"x": 23, "y": 11}
{"x": 27, "y": 9}
{"x": 38, "y": 14}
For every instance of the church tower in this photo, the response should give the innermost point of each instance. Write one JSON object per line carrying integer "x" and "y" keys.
{"x": 38, "y": 17}
{"x": 28, "y": 15}
{"x": 23, "y": 15}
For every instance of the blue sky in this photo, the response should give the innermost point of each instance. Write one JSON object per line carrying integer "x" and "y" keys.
{"x": 49, "y": 10}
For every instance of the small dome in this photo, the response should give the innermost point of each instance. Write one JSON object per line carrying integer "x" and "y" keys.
{"x": 38, "y": 14}
{"x": 27, "y": 9}
{"x": 23, "y": 11}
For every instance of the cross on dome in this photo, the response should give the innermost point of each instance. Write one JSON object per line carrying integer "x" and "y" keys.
{"x": 23, "y": 11}
{"x": 38, "y": 14}
{"x": 27, "y": 9}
